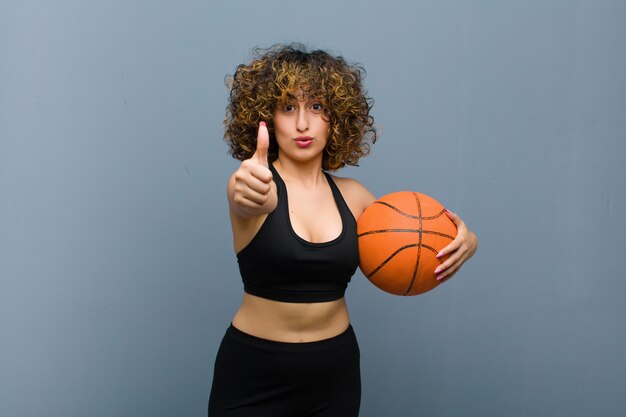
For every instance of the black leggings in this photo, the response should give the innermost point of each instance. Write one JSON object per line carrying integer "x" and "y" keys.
{"x": 262, "y": 378}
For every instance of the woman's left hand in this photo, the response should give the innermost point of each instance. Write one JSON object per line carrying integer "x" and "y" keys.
{"x": 460, "y": 250}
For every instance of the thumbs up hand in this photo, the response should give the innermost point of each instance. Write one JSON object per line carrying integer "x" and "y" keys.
{"x": 251, "y": 189}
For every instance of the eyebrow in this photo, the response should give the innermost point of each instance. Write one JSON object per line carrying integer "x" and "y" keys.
{"x": 292, "y": 97}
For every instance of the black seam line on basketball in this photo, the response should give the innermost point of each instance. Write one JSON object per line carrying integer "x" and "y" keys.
{"x": 419, "y": 248}
{"x": 428, "y": 232}
{"x": 410, "y": 215}
{"x": 383, "y": 263}
{"x": 433, "y": 250}
{"x": 413, "y": 245}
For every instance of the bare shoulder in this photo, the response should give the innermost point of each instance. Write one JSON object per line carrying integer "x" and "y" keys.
{"x": 357, "y": 196}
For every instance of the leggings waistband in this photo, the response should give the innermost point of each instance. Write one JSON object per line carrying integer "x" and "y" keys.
{"x": 242, "y": 337}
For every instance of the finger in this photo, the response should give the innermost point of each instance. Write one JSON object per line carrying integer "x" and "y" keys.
{"x": 448, "y": 277}
{"x": 262, "y": 144}
{"x": 444, "y": 276}
{"x": 256, "y": 184}
{"x": 261, "y": 173}
{"x": 452, "y": 269}
{"x": 451, "y": 215}
{"x": 452, "y": 260}
{"x": 251, "y": 199}
{"x": 455, "y": 218}
{"x": 452, "y": 246}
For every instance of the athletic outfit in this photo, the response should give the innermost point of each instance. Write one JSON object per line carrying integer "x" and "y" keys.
{"x": 264, "y": 378}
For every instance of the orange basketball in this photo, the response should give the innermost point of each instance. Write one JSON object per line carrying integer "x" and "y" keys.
{"x": 399, "y": 237}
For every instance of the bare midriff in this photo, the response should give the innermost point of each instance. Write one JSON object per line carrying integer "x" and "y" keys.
{"x": 291, "y": 322}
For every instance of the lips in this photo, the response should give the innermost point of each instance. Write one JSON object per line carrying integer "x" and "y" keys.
{"x": 304, "y": 141}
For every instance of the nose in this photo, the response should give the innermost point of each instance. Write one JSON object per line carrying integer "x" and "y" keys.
{"x": 302, "y": 124}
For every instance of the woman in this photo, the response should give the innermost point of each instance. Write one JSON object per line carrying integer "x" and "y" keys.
{"x": 290, "y": 351}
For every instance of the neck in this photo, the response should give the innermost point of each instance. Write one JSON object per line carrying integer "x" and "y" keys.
{"x": 307, "y": 172}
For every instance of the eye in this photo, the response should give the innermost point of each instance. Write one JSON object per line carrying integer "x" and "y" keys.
{"x": 317, "y": 106}
{"x": 289, "y": 108}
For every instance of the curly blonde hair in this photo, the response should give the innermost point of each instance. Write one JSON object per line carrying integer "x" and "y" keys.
{"x": 281, "y": 72}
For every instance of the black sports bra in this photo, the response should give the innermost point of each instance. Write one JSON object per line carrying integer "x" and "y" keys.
{"x": 279, "y": 265}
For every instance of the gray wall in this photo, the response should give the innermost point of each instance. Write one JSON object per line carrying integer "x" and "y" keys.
{"x": 117, "y": 277}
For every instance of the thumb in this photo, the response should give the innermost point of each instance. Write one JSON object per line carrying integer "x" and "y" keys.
{"x": 262, "y": 144}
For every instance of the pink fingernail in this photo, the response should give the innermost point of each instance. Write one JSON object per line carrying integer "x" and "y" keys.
{"x": 440, "y": 277}
{"x": 438, "y": 270}
{"x": 439, "y": 255}
{"x": 262, "y": 123}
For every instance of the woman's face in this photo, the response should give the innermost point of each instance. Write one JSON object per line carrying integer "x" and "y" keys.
{"x": 301, "y": 129}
